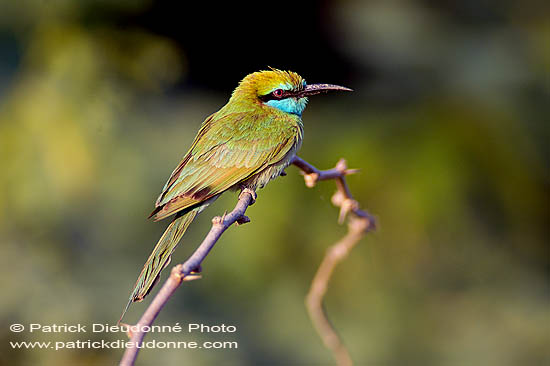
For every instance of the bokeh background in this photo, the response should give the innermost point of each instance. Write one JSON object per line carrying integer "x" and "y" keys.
{"x": 449, "y": 124}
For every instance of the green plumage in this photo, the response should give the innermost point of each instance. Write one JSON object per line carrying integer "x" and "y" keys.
{"x": 230, "y": 148}
{"x": 245, "y": 144}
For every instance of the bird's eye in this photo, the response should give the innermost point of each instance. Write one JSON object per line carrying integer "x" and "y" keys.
{"x": 278, "y": 93}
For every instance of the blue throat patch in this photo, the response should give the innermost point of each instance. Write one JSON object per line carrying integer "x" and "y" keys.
{"x": 289, "y": 105}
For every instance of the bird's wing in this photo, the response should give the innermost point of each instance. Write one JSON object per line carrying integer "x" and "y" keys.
{"x": 226, "y": 151}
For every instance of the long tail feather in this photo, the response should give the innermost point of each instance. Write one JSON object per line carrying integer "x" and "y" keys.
{"x": 160, "y": 257}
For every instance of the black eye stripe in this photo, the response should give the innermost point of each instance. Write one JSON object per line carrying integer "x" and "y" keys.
{"x": 271, "y": 96}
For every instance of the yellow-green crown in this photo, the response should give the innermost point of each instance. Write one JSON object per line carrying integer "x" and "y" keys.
{"x": 264, "y": 82}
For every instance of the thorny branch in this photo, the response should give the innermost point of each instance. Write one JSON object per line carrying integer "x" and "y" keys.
{"x": 359, "y": 223}
{"x": 185, "y": 272}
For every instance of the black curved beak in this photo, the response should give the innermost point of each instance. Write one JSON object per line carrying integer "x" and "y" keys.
{"x": 313, "y": 89}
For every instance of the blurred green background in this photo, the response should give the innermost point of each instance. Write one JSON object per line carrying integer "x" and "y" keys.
{"x": 448, "y": 123}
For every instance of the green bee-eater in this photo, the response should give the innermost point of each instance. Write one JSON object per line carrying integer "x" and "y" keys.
{"x": 247, "y": 143}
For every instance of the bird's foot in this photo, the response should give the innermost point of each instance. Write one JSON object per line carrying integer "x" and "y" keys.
{"x": 252, "y": 194}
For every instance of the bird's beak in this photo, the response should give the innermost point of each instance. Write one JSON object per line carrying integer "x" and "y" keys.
{"x": 313, "y": 89}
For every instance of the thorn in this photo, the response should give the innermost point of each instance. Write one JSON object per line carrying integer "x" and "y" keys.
{"x": 342, "y": 215}
{"x": 129, "y": 333}
{"x": 346, "y": 205}
{"x": 217, "y": 220}
{"x": 192, "y": 277}
{"x": 311, "y": 179}
{"x": 194, "y": 274}
{"x": 341, "y": 165}
{"x": 351, "y": 171}
{"x": 243, "y": 220}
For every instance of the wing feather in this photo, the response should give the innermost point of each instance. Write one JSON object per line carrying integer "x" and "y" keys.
{"x": 227, "y": 150}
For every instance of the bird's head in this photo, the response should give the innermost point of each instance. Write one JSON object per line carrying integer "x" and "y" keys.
{"x": 284, "y": 90}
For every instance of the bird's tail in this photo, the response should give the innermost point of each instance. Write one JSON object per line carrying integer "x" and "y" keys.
{"x": 160, "y": 257}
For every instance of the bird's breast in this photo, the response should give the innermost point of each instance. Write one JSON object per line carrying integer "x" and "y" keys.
{"x": 260, "y": 179}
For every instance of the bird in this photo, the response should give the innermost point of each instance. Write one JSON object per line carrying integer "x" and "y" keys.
{"x": 242, "y": 146}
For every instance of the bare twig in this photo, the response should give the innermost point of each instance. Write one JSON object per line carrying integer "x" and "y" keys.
{"x": 359, "y": 223}
{"x": 185, "y": 272}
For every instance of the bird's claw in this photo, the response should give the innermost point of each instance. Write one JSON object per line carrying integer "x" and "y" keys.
{"x": 252, "y": 194}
